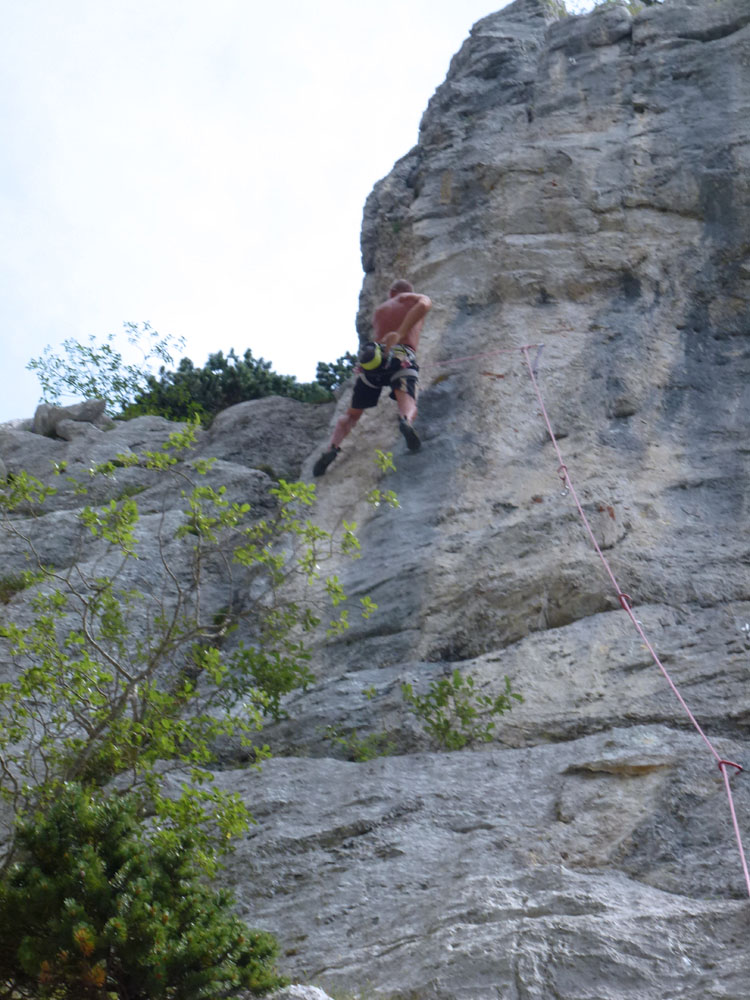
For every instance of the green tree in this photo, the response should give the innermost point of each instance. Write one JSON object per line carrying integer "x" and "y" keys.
{"x": 90, "y": 700}
{"x": 116, "y": 709}
{"x": 98, "y": 370}
{"x": 223, "y": 381}
{"x": 333, "y": 374}
{"x": 98, "y": 907}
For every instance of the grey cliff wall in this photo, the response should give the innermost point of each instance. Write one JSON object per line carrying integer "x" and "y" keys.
{"x": 581, "y": 184}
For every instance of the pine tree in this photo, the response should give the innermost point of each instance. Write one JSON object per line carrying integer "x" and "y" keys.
{"x": 96, "y": 908}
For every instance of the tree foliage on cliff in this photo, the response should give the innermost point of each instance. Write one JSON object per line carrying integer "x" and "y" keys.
{"x": 94, "y": 910}
{"x": 221, "y": 382}
{"x": 122, "y": 686}
{"x": 333, "y": 374}
{"x": 97, "y": 370}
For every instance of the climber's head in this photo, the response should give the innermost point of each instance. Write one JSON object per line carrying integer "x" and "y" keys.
{"x": 399, "y": 286}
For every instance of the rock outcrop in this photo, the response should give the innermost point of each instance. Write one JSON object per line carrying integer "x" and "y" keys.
{"x": 64, "y": 421}
{"x": 580, "y": 185}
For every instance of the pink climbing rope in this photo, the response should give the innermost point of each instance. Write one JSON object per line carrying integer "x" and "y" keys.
{"x": 626, "y": 602}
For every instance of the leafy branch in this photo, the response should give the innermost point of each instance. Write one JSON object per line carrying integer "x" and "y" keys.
{"x": 97, "y": 697}
{"x": 455, "y": 713}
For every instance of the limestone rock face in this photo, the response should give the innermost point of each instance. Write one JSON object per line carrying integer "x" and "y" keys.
{"x": 579, "y": 189}
{"x": 272, "y": 433}
{"x": 579, "y": 185}
{"x": 64, "y": 463}
{"x": 504, "y": 873}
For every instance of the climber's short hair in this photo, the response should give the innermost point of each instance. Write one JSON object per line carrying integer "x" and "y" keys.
{"x": 400, "y": 285}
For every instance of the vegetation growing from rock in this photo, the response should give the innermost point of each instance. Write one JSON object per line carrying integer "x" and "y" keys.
{"x": 97, "y": 370}
{"x": 361, "y": 748}
{"x": 96, "y": 909}
{"x": 455, "y": 714}
{"x": 123, "y": 688}
{"x": 11, "y": 585}
{"x": 333, "y": 374}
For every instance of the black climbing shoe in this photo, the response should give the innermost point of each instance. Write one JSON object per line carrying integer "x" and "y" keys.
{"x": 412, "y": 438}
{"x": 325, "y": 460}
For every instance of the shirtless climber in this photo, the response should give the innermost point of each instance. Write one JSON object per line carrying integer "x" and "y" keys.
{"x": 390, "y": 359}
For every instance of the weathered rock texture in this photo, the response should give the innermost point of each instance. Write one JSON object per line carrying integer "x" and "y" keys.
{"x": 580, "y": 183}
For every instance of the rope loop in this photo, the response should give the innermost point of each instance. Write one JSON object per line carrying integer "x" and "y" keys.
{"x": 625, "y": 600}
{"x": 730, "y": 763}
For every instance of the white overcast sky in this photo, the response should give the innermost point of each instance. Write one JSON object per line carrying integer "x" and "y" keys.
{"x": 202, "y": 165}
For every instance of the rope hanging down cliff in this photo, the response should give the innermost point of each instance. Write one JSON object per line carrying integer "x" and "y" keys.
{"x": 625, "y": 600}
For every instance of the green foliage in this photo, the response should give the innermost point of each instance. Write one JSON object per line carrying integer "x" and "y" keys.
{"x": 96, "y": 908}
{"x": 98, "y": 370}
{"x": 89, "y": 700}
{"x": 13, "y": 584}
{"x": 455, "y": 714}
{"x": 130, "y": 491}
{"x": 331, "y": 375}
{"x": 116, "y": 687}
{"x": 223, "y": 381}
{"x": 376, "y": 496}
{"x": 361, "y": 748}
{"x": 24, "y": 492}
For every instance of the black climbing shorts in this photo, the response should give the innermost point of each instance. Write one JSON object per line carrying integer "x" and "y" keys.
{"x": 399, "y": 371}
